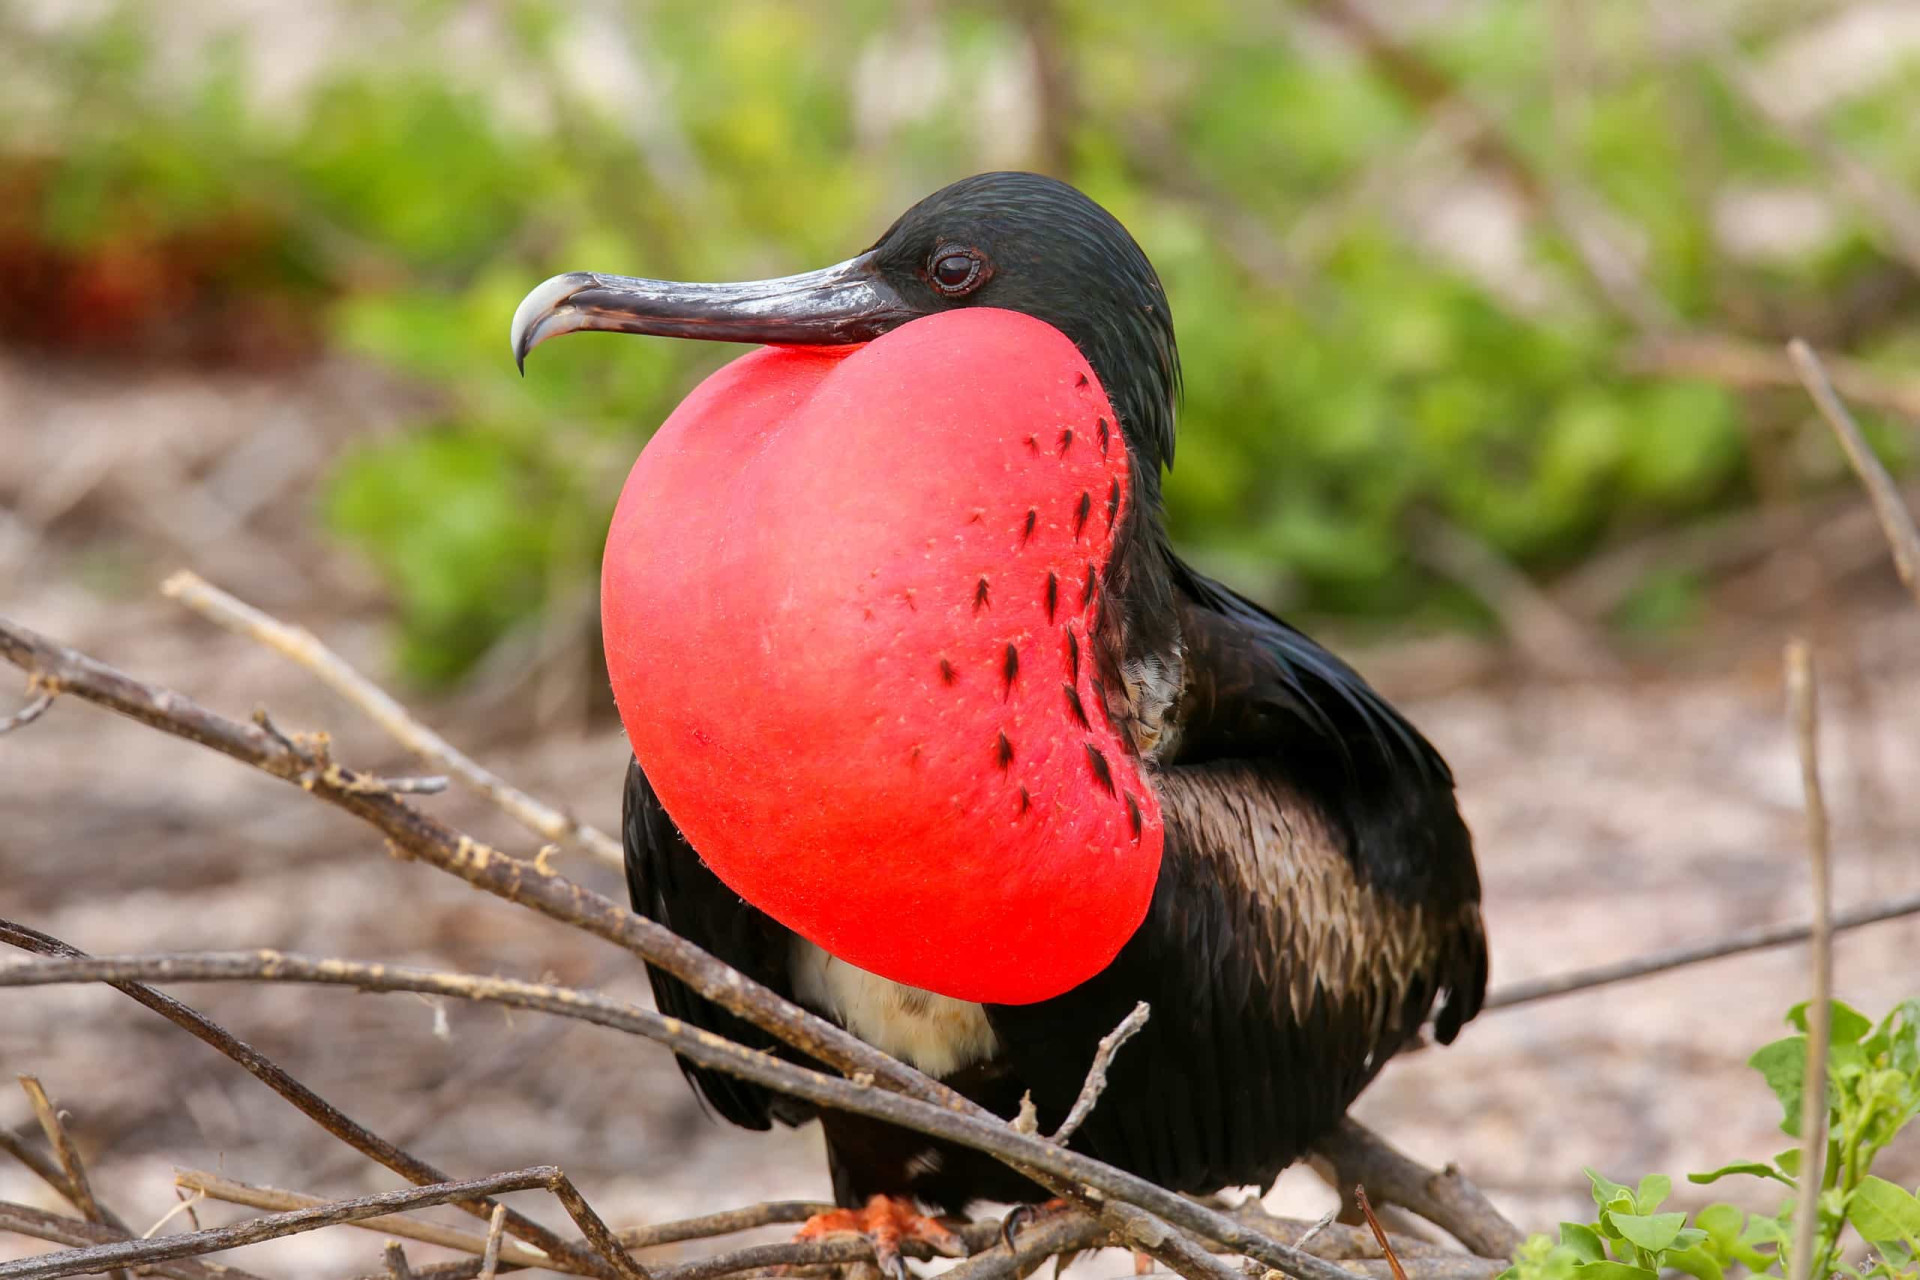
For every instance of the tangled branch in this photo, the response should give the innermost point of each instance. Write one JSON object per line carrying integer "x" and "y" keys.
{"x": 1145, "y": 1216}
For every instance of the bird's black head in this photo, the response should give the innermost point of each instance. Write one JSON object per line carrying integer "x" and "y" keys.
{"x": 1017, "y": 241}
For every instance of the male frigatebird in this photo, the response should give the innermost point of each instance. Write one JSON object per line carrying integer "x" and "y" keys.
{"x": 936, "y": 735}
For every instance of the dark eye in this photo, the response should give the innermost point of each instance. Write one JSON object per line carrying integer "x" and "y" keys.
{"x": 955, "y": 272}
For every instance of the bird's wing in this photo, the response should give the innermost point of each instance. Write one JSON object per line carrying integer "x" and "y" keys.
{"x": 1317, "y": 896}
{"x": 670, "y": 884}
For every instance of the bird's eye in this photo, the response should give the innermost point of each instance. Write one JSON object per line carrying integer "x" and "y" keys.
{"x": 956, "y": 271}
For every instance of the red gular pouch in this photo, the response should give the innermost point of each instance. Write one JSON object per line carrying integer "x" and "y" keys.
{"x": 847, "y": 600}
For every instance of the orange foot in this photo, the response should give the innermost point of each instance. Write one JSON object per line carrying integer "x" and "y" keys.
{"x": 885, "y": 1222}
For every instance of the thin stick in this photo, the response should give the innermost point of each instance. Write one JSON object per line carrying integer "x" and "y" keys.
{"x": 490, "y": 1256}
{"x": 725, "y": 1223}
{"x": 395, "y": 1256}
{"x": 41, "y": 1225}
{"x": 1759, "y": 938}
{"x": 1379, "y": 1232}
{"x": 215, "y": 1187}
{"x": 309, "y": 1103}
{"x": 1096, "y": 1082}
{"x": 1052, "y": 1236}
{"x": 35, "y": 707}
{"x": 67, "y": 1153}
{"x": 132, "y": 1253}
{"x": 46, "y": 1170}
{"x": 305, "y": 649}
{"x": 988, "y": 1134}
{"x": 1444, "y": 1197}
{"x": 1803, "y": 710}
{"x": 1895, "y": 520}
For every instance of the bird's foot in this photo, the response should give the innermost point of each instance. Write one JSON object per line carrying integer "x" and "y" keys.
{"x": 886, "y": 1222}
{"x": 1022, "y": 1216}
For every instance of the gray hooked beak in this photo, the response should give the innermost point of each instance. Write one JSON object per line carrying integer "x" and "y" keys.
{"x": 847, "y": 303}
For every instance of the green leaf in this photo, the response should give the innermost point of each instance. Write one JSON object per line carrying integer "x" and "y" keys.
{"x": 1752, "y": 1168}
{"x": 1783, "y": 1065}
{"x": 1881, "y": 1211}
{"x": 1583, "y": 1240}
{"x": 1654, "y": 1188}
{"x": 1613, "y": 1271}
{"x": 1845, "y": 1024}
{"x": 1605, "y": 1189}
{"x": 1696, "y": 1262}
{"x": 1650, "y": 1231}
{"x": 1789, "y": 1160}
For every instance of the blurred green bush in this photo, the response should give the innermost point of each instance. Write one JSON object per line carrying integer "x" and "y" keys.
{"x": 1357, "y": 356}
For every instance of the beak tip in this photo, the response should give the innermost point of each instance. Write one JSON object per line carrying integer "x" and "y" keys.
{"x": 532, "y": 319}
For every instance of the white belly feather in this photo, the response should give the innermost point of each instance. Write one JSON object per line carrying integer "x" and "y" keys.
{"x": 937, "y": 1034}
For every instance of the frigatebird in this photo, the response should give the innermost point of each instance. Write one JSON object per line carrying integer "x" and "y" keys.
{"x": 935, "y": 734}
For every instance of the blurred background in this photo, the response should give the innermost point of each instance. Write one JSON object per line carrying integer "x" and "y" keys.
{"x": 1481, "y": 304}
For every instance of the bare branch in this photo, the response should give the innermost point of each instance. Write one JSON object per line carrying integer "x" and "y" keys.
{"x": 43, "y": 1168}
{"x": 215, "y": 1187}
{"x": 1444, "y": 1198}
{"x": 1096, "y": 1082}
{"x": 771, "y": 1213}
{"x": 1379, "y": 1232}
{"x": 1759, "y": 938}
{"x": 134, "y": 1253}
{"x": 309, "y": 1103}
{"x": 490, "y": 1255}
{"x": 41, "y": 1225}
{"x": 35, "y": 707}
{"x": 1054, "y": 1235}
{"x": 1803, "y": 712}
{"x": 1895, "y": 520}
{"x": 79, "y": 1186}
{"x": 1133, "y": 1206}
{"x": 982, "y": 1132}
{"x": 395, "y": 1256}
{"x": 304, "y": 648}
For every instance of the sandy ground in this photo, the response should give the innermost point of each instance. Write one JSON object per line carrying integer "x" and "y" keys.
{"x": 1612, "y": 817}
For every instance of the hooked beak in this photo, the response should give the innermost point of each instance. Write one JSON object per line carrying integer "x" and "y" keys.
{"x": 834, "y": 306}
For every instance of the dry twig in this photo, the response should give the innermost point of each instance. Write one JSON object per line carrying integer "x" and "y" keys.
{"x": 395, "y": 1256}
{"x": 1444, "y": 1198}
{"x": 36, "y": 706}
{"x": 1758, "y": 938}
{"x": 1096, "y": 1082}
{"x": 1895, "y": 520}
{"x": 725, "y": 1223}
{"x": 983, "y": 1132}
{"x": 305, "y": 649}
{"x": 1813, "y": 1098}
{"x": 72, "y": 1232}
{"x": 490, "y": 1254}
{"x": 1132, "y": 1207}
{"x": 140, "y": 1253}
{"x": 309, "y": 1103}
{"x": 79, "y": 1187}
{"x": 1379, "y": 1232}
{"x": 215, "y": 1187}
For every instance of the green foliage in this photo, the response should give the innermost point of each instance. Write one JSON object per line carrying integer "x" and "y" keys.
{"x": 1873, "y": 1092}
{"x": 1346, "y": 371}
